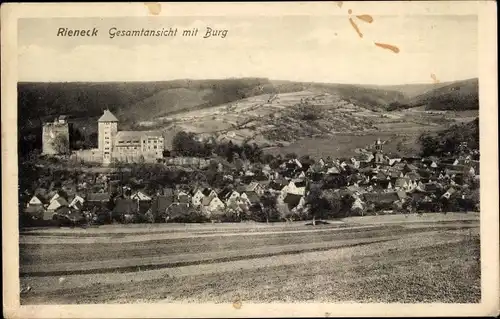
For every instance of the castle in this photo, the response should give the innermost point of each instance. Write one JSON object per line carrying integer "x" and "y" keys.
{"x": 118, "y": 146}
{"x": 55, "y": 136}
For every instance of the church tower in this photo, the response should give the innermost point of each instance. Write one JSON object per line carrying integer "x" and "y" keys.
{"x": 379, "y": 157}
{"x": 107, "y": 129}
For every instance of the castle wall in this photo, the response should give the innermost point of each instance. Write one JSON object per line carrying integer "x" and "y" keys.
{"x": 92, "y": 155}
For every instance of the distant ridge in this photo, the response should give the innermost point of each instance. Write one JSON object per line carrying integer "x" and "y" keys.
{"x": 136, "y": 101}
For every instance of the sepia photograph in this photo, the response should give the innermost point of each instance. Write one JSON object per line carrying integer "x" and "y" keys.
{"x": 327, "y": 156}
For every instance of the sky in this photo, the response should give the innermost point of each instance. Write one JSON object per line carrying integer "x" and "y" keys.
{"x": 296, "y": 48}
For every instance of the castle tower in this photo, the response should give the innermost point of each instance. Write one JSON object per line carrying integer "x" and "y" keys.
{"x": 378, "y": 145}
{"x": 55, "y": 137}
{"x": 107, "y": 129}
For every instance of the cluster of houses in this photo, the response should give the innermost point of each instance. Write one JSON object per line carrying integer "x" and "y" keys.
{"x": 375, "y": 181}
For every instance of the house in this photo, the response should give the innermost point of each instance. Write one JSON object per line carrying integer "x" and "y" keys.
{"x": 230, "y": 197}
{"x": 125, "y": 206}
{"x": 404, "y": 183}
{"x": 413, "y": 176}
{"x": 333, "y": 170}
{"x": 35, "y": 201}
{"x": 418, "y": 194}
{"x": 56, "y": 203}
{"x": 55, "y": 195}
{"x": 197, "y": 198}
{"x": 35, "y": 211}
{"x": 401, "y": 195}
{"x": 251, "y": 198}
{"x": 401, "y": 183}
{"x": 62, "y": 211}
{"x": 212, "y": 204}
{"x": 278, "y": 184}
{"x": 449, "y": 193}
{"x": 182, "y": 197}
{"x": 321, "y": 162}
{"x": 392, "y": 161}
{"x": 76, "y": 202}
{"x": 160, "y": 204}
{"x": 140, "y": 196}
{"x": 254, "y": 187}
{"x": 51, "y": 214}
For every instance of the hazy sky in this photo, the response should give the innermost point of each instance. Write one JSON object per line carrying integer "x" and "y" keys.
{"x": 298, "y": 48}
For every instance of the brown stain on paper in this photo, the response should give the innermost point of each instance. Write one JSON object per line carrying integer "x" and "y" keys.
{"x": 365, "y": 17}
{"x": 434, "y": 78}
{"x": 391, "y": 47}
{"x": 237, "y": 303}
{"x": 153, "y": 7}
{"x": 355, "y": 26}
{"x": 339, "y": 3}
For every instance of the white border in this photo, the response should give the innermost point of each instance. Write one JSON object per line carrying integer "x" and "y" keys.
{"x": 486, "y": 11}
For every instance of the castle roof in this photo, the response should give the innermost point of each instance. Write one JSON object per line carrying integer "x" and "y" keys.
{"x": 135, "y": 136}
{"x": 108, "y": 117}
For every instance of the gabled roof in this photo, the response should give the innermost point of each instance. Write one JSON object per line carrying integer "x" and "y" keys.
{"x": 207, "y": 200}
{"x": 140, "y": 196}
{"x": 107, "y": 117}
{"x": 206, "y": 191}
{"x": 225, "y": 193}
{"x": 61, "y": 200}
{"x": 252, "y": 197}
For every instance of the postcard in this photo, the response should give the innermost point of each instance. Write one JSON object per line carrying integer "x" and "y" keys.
{"x": 250, "y": 159}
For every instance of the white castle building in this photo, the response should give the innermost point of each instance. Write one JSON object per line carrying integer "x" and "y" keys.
{"x": 123, "y": 146}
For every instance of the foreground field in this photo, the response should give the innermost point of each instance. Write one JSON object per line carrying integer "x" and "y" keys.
{"x": 382, "y": 259}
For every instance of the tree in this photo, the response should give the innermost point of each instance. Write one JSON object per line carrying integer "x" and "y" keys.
{"x": 61, "y": 144}
{"x": 318, "y": 204}
{"x": 269, "y": 203}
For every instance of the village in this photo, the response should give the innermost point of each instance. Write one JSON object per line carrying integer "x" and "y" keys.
{"x": 277, "y": 189}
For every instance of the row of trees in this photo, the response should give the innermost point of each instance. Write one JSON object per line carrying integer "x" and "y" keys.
{"x": 456, "y": 140}
{"x": 186, "y": 144}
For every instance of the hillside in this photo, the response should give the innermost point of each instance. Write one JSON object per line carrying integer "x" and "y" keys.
{"x": 267, "y": 112}
{"x": 135, "y": 101}
{"x": 456, "y": 96}
{"x": 450, "y": 140}
{"x": 129, "y": 99}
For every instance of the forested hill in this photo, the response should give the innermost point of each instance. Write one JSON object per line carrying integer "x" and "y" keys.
{"x": 134, "y": 101}
{"x": 129, "y": 99}
{"x": 456, "y": 96}
{"x": 451, "y": 140}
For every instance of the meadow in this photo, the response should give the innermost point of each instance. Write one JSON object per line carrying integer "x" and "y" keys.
{"x": 413, "y": 258}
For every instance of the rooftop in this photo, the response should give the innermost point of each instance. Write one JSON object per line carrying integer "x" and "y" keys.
{"x": 108, "y": 117}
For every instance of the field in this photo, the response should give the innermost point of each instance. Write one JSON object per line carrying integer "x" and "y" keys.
{"x": 428, "y": 258}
